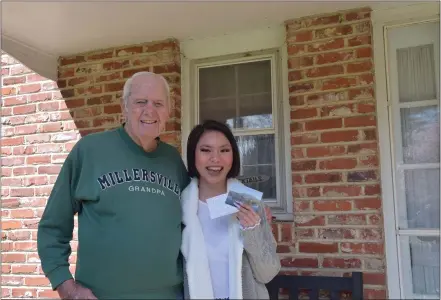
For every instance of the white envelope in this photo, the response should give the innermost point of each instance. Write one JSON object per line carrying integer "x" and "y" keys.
{"x": 218, "y": 207}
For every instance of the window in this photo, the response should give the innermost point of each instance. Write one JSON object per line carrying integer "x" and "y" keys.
{"x": 414, "y": 110}
{"x": 245, "y": 93}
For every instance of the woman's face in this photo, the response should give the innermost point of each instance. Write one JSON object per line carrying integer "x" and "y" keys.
{"x": 214, "y": 157}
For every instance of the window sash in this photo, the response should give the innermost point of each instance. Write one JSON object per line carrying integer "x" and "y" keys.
{"x": 280, "y": 206}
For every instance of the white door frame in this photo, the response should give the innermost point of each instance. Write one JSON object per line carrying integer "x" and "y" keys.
{"x": 381, "y": 19}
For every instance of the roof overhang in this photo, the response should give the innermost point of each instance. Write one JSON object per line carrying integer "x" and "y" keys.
{"x": 37, "y": 33}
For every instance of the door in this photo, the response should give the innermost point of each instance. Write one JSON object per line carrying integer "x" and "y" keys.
{"x": 414, "y": 110}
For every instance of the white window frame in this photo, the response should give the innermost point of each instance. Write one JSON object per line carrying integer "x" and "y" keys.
{"x": 381, "y": 20}
{"x": 237, "y": 48}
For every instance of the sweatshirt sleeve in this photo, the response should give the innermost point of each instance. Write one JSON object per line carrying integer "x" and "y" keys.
{"x": 55, "y": 230}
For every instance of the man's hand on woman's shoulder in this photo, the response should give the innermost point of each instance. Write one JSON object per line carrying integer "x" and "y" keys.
{"x": 72, "y": 290}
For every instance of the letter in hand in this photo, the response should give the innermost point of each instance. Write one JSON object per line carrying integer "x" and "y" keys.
{"x": 72, "y": 290}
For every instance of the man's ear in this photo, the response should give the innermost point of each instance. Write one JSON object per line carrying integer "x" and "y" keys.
{"x": 123, "y": 106}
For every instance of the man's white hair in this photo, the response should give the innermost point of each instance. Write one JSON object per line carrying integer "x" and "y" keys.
{"x": 128, "y": 86}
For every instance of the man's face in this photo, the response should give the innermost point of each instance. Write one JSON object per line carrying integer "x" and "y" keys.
{"x": 147, "y": 108}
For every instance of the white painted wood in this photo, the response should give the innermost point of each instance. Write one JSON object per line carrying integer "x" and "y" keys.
{"x": 37, "y": 60}
{"x": 382, "y": 20}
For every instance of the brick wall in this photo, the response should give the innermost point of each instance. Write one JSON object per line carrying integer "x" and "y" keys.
{"x": 41, "y": 122}
{"x": 338, "y": 224}
{"x": 338, "y": 221}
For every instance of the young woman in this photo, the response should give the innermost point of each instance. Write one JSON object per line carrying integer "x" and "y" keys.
{"x": 230, "y": 257}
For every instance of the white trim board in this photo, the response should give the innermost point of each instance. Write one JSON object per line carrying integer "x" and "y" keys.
{"x": 380, "y": 20}
{"x": 42, "y": 63}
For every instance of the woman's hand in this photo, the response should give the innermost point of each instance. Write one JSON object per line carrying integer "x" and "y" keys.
{"x": 247, "y": 216}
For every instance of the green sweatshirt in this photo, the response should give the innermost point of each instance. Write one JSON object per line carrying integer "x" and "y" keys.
{"x": 129, "y": 218}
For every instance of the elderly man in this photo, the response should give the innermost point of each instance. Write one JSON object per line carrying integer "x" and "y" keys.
{"x": 125, "y": 186}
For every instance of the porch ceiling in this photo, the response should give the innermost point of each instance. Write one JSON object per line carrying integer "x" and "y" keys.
{"x": 48, "y": 30}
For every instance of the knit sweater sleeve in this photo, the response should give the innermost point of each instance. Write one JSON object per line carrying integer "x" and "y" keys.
{"x": 261, "y": 248}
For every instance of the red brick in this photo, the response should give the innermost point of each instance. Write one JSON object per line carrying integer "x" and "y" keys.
{"x": 116, "y": 65}
{"x": 301, "y": 87}
{"x": 49, "y": 169}
{"x": 10, "y": 224}
{"x": 342, "y": 191}
{"x": 360, "y": 176}
{"x": 286, "y": 233}
{"x": 29, "y": 88}
{"x": 363, "y": 52}
{"x": 19, "y": 235}
{"x": 72, "y": 60}
{"x": 339, "y": 136}
{"x": 325, "y": 71}
{"x": 301, "y": 205}
{"x": 154, "y": 47}
{"x": 13, "y": 141}
{"x": 14, "y": 80}
{"x": 25, "y": 246}
{"x": 300, "y": 62}
{"x": 333, "y": 31}
{"x": 370, "y": 190}
{"x": 374, "y": 294}
{"x": 323, "y": 124}
{"x": 24, "y": 109}
{"x": 26, "y": 293}
{"x": 40, "y": 97}
{"x": 302, "y": 36}
{"x": 295, "y": 49}
{"x": 306, "y": 247}
{"x": 109, "y": 77}
{"x": 342, "y": 263}
{"x": 26, "y": 129}
{"x": 367, "y": 203}
{"x": 304, "y": 113}
{"x": 100, "y": 55}
{"x": 36, "y": 281}
{"x": 307, "y": 221}
{"x": 333, "y": 57}
{"x": 304, "y": 139}
{"x": 22, "y": 213}
{"x": 294, "y": 75}
{"x": 338, "y": 164}
{"x": 304, "y": 165}
{"x": 326, "y": 45}
{"x": 8, "y": 280}
{"x": 6, "y": 269}
{"x": 332, "y": 205}
{"x": 128, "y": 51}
{"x": 337, "y": 110}
{"x": 359, "y": 67}
{"x": 359, "y": 40}
{"x": 350, "y": 219}
{"x": 78, "y": 81}
{"x": 338, "y": 83}
{"x": 8, "y": 91}
{"x": 112, "y": 109}
{"x": 357, "y": 15}
{"x": 369, "y": 161}
{"x": 300, "y": 262}
{"x": 80, "y": 91}
{"x": 48, "y": 294}
{"x": 324, "y": 151}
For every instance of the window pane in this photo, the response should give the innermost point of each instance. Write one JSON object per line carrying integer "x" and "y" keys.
{"x": 425, "y": 259}
{"x": 422, "y": 199}
{"x": 416, "y": 73}
{"x": 239, "y": 95}
{"x": 420, "y": 133}
{"x": 258, "y": 163}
